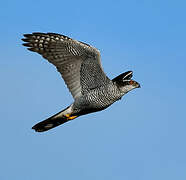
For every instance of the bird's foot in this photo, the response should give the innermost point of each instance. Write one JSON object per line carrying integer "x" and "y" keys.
{"x": 69, "y": 117}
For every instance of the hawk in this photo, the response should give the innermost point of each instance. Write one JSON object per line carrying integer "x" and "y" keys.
{"x": 80, "y": 66}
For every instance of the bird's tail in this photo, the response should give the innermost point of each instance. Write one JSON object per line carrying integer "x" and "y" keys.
{"x": 56, "y": 120}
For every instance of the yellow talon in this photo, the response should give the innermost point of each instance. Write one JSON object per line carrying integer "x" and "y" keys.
{"x": 67, "y": 115}
{"x": 72, "y": 117}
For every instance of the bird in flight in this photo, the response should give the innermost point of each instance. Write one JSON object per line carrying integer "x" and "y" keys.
{"x": 80, "y": 66}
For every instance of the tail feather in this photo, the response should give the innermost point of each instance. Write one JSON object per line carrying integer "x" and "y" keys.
{"x": 56, "y": 120}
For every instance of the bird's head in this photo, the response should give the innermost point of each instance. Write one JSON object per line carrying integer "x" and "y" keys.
{"x": 125, "y": 83}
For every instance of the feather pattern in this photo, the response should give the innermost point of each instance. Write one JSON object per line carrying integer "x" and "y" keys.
{"x": 68, "y": 55}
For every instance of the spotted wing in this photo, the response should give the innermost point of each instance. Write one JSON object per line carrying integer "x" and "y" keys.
{"x": 70, "y": 58}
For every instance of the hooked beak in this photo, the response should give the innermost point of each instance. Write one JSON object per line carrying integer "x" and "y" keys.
{"x": 138, "y": 86}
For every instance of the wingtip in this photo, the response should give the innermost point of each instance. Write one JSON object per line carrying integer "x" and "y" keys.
{"x": 27, "y": 35}
{"x": 27, "y": 44}
{"x": 25, "y": 39}
{"x": 29, "y": 47}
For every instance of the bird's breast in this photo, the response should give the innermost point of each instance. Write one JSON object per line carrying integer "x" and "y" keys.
{"x": 101, "y": 98}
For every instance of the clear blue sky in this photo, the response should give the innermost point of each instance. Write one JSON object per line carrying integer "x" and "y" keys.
{"x": 141, "y": 137}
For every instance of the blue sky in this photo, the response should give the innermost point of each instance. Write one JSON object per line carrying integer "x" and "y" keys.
{"x": 141, "y": 137}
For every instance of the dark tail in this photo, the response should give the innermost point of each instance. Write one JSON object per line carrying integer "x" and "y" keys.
{"x": 56, "y": 120}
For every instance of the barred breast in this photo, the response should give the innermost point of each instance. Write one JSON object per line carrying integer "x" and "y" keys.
{"x": 99, "y": 98}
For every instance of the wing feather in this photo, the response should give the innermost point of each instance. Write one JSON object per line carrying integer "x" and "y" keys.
{"x": 66, "y": 54}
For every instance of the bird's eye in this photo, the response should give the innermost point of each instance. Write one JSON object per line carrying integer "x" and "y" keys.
{"x": 131, "y": 82}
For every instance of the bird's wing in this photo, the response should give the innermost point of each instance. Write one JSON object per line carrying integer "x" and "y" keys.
{"x": 78, "y": 63}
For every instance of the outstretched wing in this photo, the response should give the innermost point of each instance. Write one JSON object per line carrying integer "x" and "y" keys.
{"x": 78, "y": 63}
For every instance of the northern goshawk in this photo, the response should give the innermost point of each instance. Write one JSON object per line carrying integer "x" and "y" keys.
{"x": 80, "y": 66}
